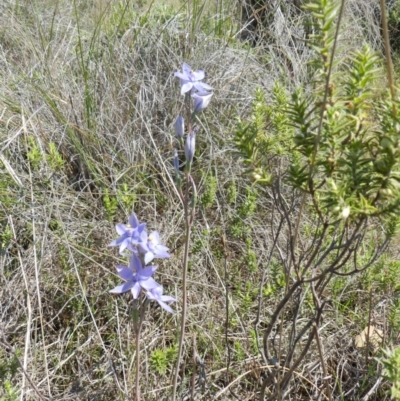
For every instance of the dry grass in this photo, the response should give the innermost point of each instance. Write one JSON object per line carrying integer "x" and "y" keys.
{"x": 106, "y": 98}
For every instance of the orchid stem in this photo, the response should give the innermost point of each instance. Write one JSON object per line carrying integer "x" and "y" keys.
{"x": 138, "y": 329}
{"x": 137, "y": 395}
{"x": 184, "y": 290}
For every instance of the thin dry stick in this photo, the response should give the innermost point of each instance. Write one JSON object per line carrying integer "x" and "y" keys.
{"x": 137, "y": 383}
{"x": 138, "y": 328}
{"x": 120, "y": 343}
{"x": 368, "y": 328}
{"x": 194, "y": 368}
{"x": 29, "y": 308}
{"x": 228, "y": 356}
{"x": 321, "y": 357}
{"x": 36, "y": 263}
{"x": 389, "y": 65}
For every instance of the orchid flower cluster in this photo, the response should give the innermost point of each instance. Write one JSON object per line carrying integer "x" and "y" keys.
{"x": 142, "y": 248}
{"x": 201, "y": 93}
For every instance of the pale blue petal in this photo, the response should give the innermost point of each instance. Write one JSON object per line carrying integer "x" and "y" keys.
{"x": 135, "y": 290}
{"x": 121, "y": 228}
{"x": 119, "y": 289}
{"x": 165, "y": 306}
{"x": 133, "y": 220}
{"x": 123, "y": 246}
{"x": 125, "y": 273}
{"x": 148, "y": 257}
{"x": 149, "y": 284}
{"x": 135, "y": 264}
{"x": 186, "y": 87}
{"x": 167, "y": 298}
{"x": 147, "y": 272}
{"x": 182, "y": 76}
{"x": 154, "y": 237}
{"x": 162, "y": 254}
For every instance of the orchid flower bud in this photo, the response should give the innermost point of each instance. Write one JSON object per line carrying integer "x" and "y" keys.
{"x": 201, "y": 100}
{"x": 179, "y": 127}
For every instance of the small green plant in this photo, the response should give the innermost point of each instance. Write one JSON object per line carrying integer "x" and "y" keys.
{"x": 248, "y": 207}
{"x": 162, "y": 359}
{"x": 5, "y": 237}
{"x": 265, "y": 134}
{"x": 391, "y": 370}
{"x": 278, "y": 275}
{"x": 110, "y": 204}
{"x": 238, "y": 229}
{"x": 250, "y": 257}
{"x": 254, "y": 345}
{"x": 210, "y": 191}
{"x": 394, "y": 25}
{"x": 34, "y": 154}
{"x": 394, "y": 315}
{"x": 54, "y": 158}
{"x": 247, "y": 297}
{"x": 200, "y": 242}
{"x": 239, "y": 351}
{"x": 8, "y": 369}
{"x": 126, "y": 196}
{"x": 10, "y": 394}
{"x": 231, "y": 193}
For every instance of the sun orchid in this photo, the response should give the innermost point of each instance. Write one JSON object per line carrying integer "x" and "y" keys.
{"x": 153, "y": 248}
{"x": 191, "y": 79}
{"x": 130, "y": 234}
{"x": 136, "y": 277}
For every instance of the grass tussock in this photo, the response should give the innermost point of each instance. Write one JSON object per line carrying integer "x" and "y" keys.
{"x": 87, "y": 105}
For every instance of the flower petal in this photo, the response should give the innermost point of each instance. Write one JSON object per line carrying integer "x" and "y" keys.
{"x": 154, "y": 237}
{"x": 135, "y": 264}
{"x": 135, "y": 290}
{"x": 165, "y": 306}
{"x": 116, "y": 242}
{"x": 186, "y": 87}
{"x": 201, "y": 100}
{"x": 133, "y": 220}
{"x": 161, "y": 253}
{"x": 148, "y": 257}
{"x": 119, "y": 289}
{"x": 149, "y": 284}
{"x": 167, "y": 298}
{"x": 125, "y": 273}
{"x": 147, "y": 272}
{"x": 182, "y": 76}
{"x": 120, "y": 228}
{"x": 124, "y": 245}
